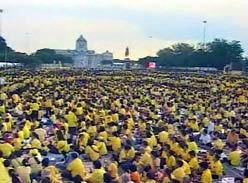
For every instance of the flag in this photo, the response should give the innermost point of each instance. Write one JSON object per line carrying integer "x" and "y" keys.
{"x": 127, "y": 52}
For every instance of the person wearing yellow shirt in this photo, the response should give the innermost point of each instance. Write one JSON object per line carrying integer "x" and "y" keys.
{"x": 92, "y": 151}
{"x": 103, "y": 134}
{"x": 113, "y": 167}
{"x": 75, "y": 169}
{"x": 71, "y": 119}
{"x": 145, "y": 158}
{"x": 234, "y": 156}
{"x": 62, "y": 146}
{"x": 151, "y": 139}
{"x": 216, "y": 167}
{"x": 79, "y": 110}
{"x": 92, "y": 130}
{"x": 186, "y": 167}
{"x": 35, "y": 142}
{"x": 126, "y": 154}
{"x": 217, "y": 143}
{"x": 101, "y": 146}
{"x": 163, "y": 136}
{"x": 17, "y": 142}
{"x": 193, "y": 163}
{"x": 171, "y": 161}
{"x": 97, "y": 173}
{"x": 50, "y": 171}
{"x": 35, "y": 110}
{"x": 179, "y": 172}
{"x": 206, "y": 176}
{"x": 115, "y": 142}
{"x": 26, "y": 131}
{"x": 192, "y": 145}
{"x": 8, "y": 124}
{"x": 245, "y": 178}
{"x": 2, "y": 107}
{"x": 7, "y": 149}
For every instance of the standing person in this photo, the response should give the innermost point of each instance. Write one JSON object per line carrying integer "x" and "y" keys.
{"x": 71, "y": 119}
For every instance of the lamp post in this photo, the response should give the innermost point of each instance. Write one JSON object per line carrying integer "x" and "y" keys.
{"x": 1, "y": 12}
{"x": 204, "y": 33}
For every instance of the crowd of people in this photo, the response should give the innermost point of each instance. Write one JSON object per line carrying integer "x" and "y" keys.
{"x": 122, "y": 127}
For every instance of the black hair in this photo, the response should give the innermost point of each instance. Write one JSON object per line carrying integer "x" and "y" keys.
{"x": 97, "y": 164}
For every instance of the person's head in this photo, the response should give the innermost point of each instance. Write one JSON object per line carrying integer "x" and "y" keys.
{"x": 74, "y": 155}
{"x": 107, "y": 178}
{"x": 217, "y": 157}
{"x": 192, "y": 154}
{"x": 97, "y": 164}
{"x": 204, "y": 165}
{"x": 133, "y": 168}
{"x": 25, "y": 163}
{"x": 7, "y": 163}
{"x": 179, "y": 163}
{"x": 45, "y": 162}
{"x": 127, "y": 147}
{"x": 150, "y": 176}
{"x": 246, "y": 173}
{"x": 114, "y": 157}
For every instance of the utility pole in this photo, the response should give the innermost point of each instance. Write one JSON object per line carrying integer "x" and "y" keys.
{"x": 204, "y": 33}
{"x": 1, "y": 12}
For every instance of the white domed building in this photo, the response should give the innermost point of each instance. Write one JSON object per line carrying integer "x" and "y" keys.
{"x": 84, "y": 58}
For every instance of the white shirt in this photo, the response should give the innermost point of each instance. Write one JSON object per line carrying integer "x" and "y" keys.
{"x": 211, "y": 126}
{"x": 205, "y": 139}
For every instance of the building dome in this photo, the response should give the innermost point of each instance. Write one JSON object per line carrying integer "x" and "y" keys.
{"x": 81, "y": 44}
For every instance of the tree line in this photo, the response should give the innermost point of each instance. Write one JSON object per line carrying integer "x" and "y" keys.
{"x": 217, "y": 54}
{"x": 42, "y": 56}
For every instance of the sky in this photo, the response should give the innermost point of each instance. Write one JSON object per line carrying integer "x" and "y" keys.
{"x": 145, "y": 26}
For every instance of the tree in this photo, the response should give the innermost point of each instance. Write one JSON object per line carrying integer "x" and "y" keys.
{"x": 218, "y": 53}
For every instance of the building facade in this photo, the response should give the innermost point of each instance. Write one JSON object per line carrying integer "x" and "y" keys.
{"x": 84, "y": 58}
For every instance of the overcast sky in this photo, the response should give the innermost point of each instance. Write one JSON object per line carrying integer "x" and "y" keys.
{"x": 143, "y": 25}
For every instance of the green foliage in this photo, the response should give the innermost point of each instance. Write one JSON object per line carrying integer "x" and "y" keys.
{"x": 43, "y": 56}
{"x": 216, "y": 54}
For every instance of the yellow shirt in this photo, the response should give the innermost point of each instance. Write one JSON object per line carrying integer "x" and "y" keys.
{"x": 192, "y": 146}
{"x": 116, "y": 143}
{"x": 97, "y": 176}
{"x": 171, "y": 162}
{"x": 35, "y": 143}
{"x": 4, "y": 175}
{"x": 6, "y": 149}
{"x": 163, "y": 136}
{"x": 245, "y": 180}
{"x": 206, "y": 176}
{"x": 93, "y": 152}
{"x": 63, "y": 146}
{"x": 145, "y": 159}
{"x": 194, "y": 164}
{"x": 76, "y": 167}
{"x": 186, "y": 168}
{"x": 113, "y": 169}
{"x": 217, "y": 168}
{"x": 178, "y": 174}
{"x": 218, "y": 144}
{"x": 71, "y": 119}
{"x": 235, "y": 158}
{"x": 127, "y": 155}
